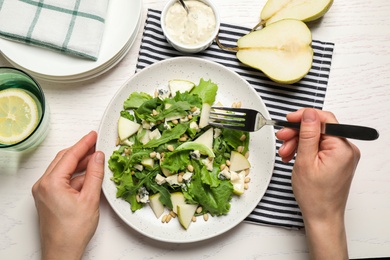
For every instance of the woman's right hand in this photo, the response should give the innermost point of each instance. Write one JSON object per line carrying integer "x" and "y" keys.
{"x": 321, "y": 179}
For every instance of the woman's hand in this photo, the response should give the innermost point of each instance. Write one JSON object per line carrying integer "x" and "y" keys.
{"x": 321, "y": 179}
{"x": 67, "y": 202}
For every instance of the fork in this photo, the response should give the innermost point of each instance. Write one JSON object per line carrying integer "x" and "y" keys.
{"x": 250, "y": 120}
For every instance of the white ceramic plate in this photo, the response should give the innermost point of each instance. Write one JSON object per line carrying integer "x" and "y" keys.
{"x": 231, "y": 88}
{"x": 121, "y": 22}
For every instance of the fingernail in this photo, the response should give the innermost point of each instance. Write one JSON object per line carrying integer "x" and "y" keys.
{"x": 99, "y": 157}
{"x": 309, "y": 115}
{"x": 281, "y": 148}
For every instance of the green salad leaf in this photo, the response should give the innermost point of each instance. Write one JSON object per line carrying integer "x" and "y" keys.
{"x": 148, "y": 162}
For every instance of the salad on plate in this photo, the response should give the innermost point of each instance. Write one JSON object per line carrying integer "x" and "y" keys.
{"x": 170, "y": 159}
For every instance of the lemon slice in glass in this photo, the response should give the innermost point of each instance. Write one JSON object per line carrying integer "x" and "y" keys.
{"x": 18, "y": 115}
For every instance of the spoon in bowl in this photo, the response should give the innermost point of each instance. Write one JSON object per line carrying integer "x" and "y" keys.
{"x": 184, "y": 5}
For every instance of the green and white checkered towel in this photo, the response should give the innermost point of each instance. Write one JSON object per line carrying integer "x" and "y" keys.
{"x": 72, "y": 27}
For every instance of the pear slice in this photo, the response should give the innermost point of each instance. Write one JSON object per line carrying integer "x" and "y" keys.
{"x": 185, "y": 212}
{"x": 304, "y": 10}
{"x": 156, "y": 205}
{"x": 238, "y": 162}
{"x": 281, "y": 50}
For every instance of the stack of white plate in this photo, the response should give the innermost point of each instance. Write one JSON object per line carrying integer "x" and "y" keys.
{"x": 122, "y": 25}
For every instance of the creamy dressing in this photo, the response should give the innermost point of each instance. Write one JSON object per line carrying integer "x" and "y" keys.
{"x": 193, "y": 28}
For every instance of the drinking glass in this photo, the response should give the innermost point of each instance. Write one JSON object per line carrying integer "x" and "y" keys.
{"x": 12, "y": 78}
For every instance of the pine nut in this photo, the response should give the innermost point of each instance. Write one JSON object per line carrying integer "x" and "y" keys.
{"x": 193, "y": 219}
{"x": 238, "y": 104}
{"x": 118, "y": 141}
{"x": 169, "y": 217}
{"x": 173, "y": 214}
{"x": 175, "y": 122}
{"x": 190, "y": 168}
{"x": 227, "y": 163}
{"x": 223, "y": 166}
{"x": 247, "y": 155}
{"x": 189, "y": 117}
{"x": 152, "y": 154}
{"x": 246, "y": 186}
{"x": 247, "y": 180}
{"x": 170, "y": 148}
{"x": 179, "y": 178}
{"x": 193, "y": 109}
{"x": 199, "y": 210}
{"x": 164, "y": 218}
{"x": 243, "y": 137}
{"x": 206, "y": 217}
{"x": 240, "y": 149}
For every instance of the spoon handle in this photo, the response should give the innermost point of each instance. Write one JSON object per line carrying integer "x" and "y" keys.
{"x": 184, "y": 5}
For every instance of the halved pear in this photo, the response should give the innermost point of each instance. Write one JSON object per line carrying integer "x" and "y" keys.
{"x": 304, "y": 10}
{"x": 281, "y": 50}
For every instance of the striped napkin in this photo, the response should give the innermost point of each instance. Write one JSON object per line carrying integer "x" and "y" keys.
{"x": 72, "y": 27}
{"x": 278, "y": 206}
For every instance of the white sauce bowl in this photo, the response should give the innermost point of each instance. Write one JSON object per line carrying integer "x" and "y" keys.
{"x": 187, "y": 48}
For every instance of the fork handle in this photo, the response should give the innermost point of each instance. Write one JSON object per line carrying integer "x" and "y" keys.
{"x": 341, "y": 130}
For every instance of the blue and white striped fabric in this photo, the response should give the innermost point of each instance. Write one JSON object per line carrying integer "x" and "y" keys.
{"x": 278, "y": 206}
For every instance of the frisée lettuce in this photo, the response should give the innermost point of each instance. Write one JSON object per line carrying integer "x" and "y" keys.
{"x": 162, "y": 157}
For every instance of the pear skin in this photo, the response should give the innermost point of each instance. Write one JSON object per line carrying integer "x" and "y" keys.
{"x": 304, "y": 10}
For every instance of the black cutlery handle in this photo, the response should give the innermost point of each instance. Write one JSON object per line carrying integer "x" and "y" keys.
{"x": 341, "y": 130}
{"x": 351, "y": 131}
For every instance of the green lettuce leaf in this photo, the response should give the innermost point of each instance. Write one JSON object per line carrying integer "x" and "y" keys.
{"x": 206, "y": 90}
{"x": 136, "y": 99}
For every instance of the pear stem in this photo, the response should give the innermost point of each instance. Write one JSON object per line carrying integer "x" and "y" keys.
{"x": 223, "y": 47}
{"x": 261, "y": 23}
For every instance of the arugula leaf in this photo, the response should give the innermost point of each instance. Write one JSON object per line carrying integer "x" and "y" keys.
{"x": 168, "y": 135}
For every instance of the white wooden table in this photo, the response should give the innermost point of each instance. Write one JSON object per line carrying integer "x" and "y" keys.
{"x": 358, "y": 93}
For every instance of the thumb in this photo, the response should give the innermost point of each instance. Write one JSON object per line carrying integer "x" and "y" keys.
{"x": 309, "y": 135}
{"x": 94, "y": 176}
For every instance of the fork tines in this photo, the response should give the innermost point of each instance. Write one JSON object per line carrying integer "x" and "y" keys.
{"x": 226, "y": 117}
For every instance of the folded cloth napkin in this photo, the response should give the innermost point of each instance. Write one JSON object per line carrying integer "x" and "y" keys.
{"x": 73, "y": 26}
{"x": 278, "y": 206}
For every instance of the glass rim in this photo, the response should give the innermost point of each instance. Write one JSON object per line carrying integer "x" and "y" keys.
{"x": 43, "y": 106}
